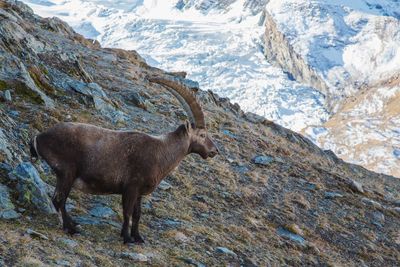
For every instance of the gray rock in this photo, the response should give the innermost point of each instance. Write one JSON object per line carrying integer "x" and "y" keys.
{"x": 9, "y": 214}
{"x": 192, "y": 262}
{"x": 356, "y": 186}
{"x": 7, "y": 208}
{"x": 331, "y": 195}
{"x": 36, "y": 234}
{"x": 5, "y": 167}
{"x": 31, "y": 188}
{"x": 102, "y": 212}
{"x": 138, "y": 257}
{"x": 254, "y": 118}
{"x": 18, "y": 76}
{"x": 378, "y": 218}
{"x": 7, "y": 95}
{"x": 164, "y": 185}
{"x": 108, "y": 110}
{"x": 63, "y": 263}
{"x": 225, "y": 250}
{"x": 292, "y": 236}
{"x": 172, "y": 223}
{"x": 88, "y": 220}
{"x": 91, "y": 220}
{"x": 371, "y": 202}
{"x": 68, "y": 242}
{"x": 4, "y": 144}
{"x": 228, "y": 133}
{"x": 137, "y": 100}
{"x": 263, "y": 160}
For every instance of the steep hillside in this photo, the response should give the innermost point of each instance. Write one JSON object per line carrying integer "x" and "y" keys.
{"x": 271, "y": 198}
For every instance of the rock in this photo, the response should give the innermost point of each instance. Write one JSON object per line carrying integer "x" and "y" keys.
{"x": 137, "y": 100}
{"x": 225, "y": 250}
{"x": 88, "y": 220}
{"x": 172, "y": 223}
{"x": 356, "y": 186}
{"x": 18, "y": 77}
{"x": 192, "y": 262}
{"x": 68, "y": 242}
{"x": 254, "y": 118}
{"x": 7, "y": 208}
{"x": 63, "y": 263}
{"x": 4, "y": 145}
{"x": 138, "y": 257}
{"x": 378, "y": 218}
{"x": 241, "y": 168}
{"x": 164, "y": 185}
{"x": 263, "y": 160}
{"x": 228, "y": 133}
{"x": 295, "y": 229}
{"x": 332, "y": 195}
{"x": 102, "y": 212}
{"x": 292, "y": 236}
{"x": 9, "y": 214}
{"x": 108, "y": 110}
{"x": 36, "y": 234}
{"x": 277, "y": 49}
{"x": 181, "y": 237}
{"x": 14, "y": 113}
{"x": 91, "y": 220}
{"x": 31, "y": 188}
{"x": 371, "y": 202}
{"x": 7, "y": 95}
{"x": 5, "y": 167}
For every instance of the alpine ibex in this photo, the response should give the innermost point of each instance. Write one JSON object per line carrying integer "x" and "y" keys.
{"x": 102, "y": 161}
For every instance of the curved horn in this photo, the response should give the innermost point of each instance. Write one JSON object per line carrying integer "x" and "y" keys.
{"x": 185, "y": 97}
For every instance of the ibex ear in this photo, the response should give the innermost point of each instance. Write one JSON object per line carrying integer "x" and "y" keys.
{"x": 188, "y": 126}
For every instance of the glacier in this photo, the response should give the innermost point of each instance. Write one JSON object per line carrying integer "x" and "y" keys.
{"x": 221, "y": 49}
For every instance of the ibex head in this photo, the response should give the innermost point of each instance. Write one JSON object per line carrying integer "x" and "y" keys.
{"x": 200, "y": 141}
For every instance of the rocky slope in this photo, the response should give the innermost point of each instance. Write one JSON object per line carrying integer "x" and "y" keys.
{"x": 271, "y": 198}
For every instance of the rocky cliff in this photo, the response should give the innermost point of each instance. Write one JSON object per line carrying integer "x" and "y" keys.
{"x": 271, "y": 198}
{"x": 279, "y": 51}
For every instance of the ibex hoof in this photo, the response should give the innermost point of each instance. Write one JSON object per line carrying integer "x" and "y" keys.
{"x": 134, "y": 240}
{"x": 71, "y": 230}
{"x": 138, "y": 240}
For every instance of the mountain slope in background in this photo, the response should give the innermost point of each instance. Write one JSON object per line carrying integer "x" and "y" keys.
{"x": 355, "y": 48}
{"x": 218, "y": 43}
{"x": 271, "y": 198}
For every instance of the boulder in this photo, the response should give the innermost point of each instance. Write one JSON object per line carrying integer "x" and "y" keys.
{"x": 31, "y": 188}
{"x": 7, "y": 208}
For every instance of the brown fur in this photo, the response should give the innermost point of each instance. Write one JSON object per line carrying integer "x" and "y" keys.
{"x": 101, "y": 161}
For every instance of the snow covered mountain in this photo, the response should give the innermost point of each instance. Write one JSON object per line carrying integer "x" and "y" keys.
{"x": 328, "y": 62}
{"x": 354, "y": 47}
{"x": 218, "y": 43}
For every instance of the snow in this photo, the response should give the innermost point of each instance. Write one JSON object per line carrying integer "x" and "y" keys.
{"x": 347, "y": 42}
{"x": 221, "y": 49}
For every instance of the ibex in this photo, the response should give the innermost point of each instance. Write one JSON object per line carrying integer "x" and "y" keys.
{"x": 102, "y": 161}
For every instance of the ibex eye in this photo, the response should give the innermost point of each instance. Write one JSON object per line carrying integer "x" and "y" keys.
{"x": 202, "y": 135}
